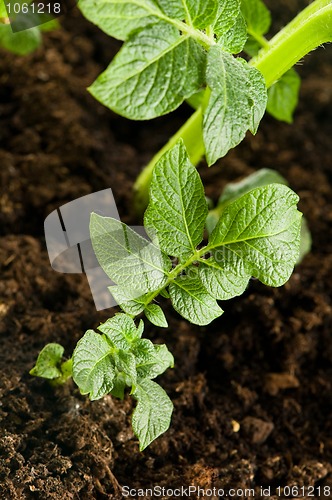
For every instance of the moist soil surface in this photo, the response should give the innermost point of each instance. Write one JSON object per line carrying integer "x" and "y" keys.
{"x": 252, "y": 391}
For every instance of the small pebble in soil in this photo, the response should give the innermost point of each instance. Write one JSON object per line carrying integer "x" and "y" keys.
{"x": 256, "y": 430}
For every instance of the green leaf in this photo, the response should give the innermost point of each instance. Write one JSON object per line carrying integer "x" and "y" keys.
{"x": 140, "y": 328}
{"x": 48, "y": 364}
{"x": 234, "y": 190}
{"x": 125, "y": 365}
{"x": 283, "y": 96}
{"x": 66, "y": 371}
{"x": 49, "y": 25}
{"x": 262, "y": 177}
{"x": 155, "y": 315}
{"x": 201, "y": 13}
{"x": 172, "y": 8}
{"x": 126, "y": 257}
{"x": 306, "y": 241}
{"x": 252, "y": 46}
{"x": 119, "y": 387}
{"x": 152, "y": 415}
{"x": 225, "y": 279}
{"x": 164, "y": 293}
{"x": 235, "y": 38}
{"x": 257, "y": 16}
{"x": 151, "y": 360}
{"x": 131, "y": 301}
{"x": 93, "y": 368}
{"x": 3, "y": 10}
{"x": 258, "y": 96}
{"x": 20, "y": 43}
{"x": 121, "y": 331}
{"x": 152, "y": 74}
{"x": 228, "y": 11}
{"x": 261, "y": 230}
{"x": 108, "y": 363}
{"x": 235, "y": 105}
{"x": 177, "y": 210}
{"x": 191, "y": 300}
{"x": 119, "y": 18}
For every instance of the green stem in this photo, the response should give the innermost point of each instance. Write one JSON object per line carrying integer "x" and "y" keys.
{"x": 191, "y": 133}
{"x": 66, "y": 373}
{"x": 196, "y": 257}
{"x": 309, "y": 29}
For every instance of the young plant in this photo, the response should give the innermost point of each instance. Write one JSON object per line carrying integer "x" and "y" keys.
{"x": 185, "y": 49}
{"x": 110, "y": 362}
{"x": 174, "y": 51}
{"x": 257, "y": 234}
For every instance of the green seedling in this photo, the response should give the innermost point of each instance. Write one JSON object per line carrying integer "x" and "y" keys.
{"x": 176, "y": 51}
{"x": 257, "y": 234}
{"x": 109, "y": 362}
{"x": 181, "y": 50}
{"x": 50, "y": 365}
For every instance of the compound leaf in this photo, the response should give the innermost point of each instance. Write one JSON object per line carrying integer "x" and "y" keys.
{"x": 93, "y": 368}
{"x": 152, "y": 74}
{"x": 152, "y": 415}
{"x": 190, "y": 299}
{"x": 177, "y": 210}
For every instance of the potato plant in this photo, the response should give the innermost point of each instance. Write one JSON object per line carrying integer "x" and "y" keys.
{"x": 175, "y": 51}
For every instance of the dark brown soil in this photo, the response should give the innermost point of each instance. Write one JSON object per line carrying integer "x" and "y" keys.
{"x": 252, "y": 392}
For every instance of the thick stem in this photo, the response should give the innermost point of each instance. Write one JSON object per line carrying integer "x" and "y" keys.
{"x": 309, "y": 29}
{"x": 191, "y": 133}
